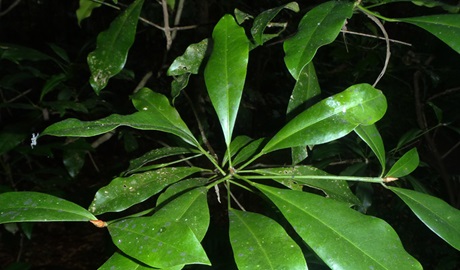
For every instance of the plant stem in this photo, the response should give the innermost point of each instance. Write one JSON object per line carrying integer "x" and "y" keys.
{"x": 366, "y": 11}
{"x": 325, "y": 177}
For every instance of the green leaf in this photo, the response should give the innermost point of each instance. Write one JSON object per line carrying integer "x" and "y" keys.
{"x": 235, "y": 146}
{"x": 33, "y": 206}
{"x": 190, "y": 61}
{"x": 156, "y": 154}
{"x": 306, "y": 88}
{"x": 113, "y": 44}
{"x": 446, "y": 27}
{"x": 73, "y": 161}
{"x": 259, "y": 242}
{"x": 343, "y": 238}
{"x": 52, "y": 84}
{"x": 331, "y": 118}
{"x": 85, "y": 9}
{"x": 225, "y": 72}
{"x": 335, "y": 189}
{"x": 178, "y": 84}
{"x": 119, "y": 261}
{"x": 190, "y": 208}
{"x": 437, "y": 215}
{"x": 371, "y": 136}
{"x": 156, "y": 114}
{"x": 180, "y": 187}
{"x": 263, "y": 20}
{"x": 248, "y": 151}
{"x": 124, "y": 192}
{"x": 320, "y": 26}
{"x": 16, "y": 53}
{"x": 157, "y": 243}
{"x": 405, "y": 165}
{"x": 10, "y": 137}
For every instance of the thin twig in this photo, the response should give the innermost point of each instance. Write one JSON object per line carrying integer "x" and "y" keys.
{"x": 387, "y": 41}
{"x": 143, "y": 81}
{"x": 180, "y": 8}
{"x": 374, "y": 36}
{"x": 166, "y": 30}
{"x": 446, "y": 92}
{"x": 8, "y": 9}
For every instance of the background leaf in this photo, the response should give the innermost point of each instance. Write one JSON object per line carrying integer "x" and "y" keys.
{"x": 157, "y": 243}
{"x": 371, "y": 136}
{"x": 446, "y": 27}
{"x": 191, "y": 60}
{"x": 331, "y": 118}
{"x": 405, "y": 165}
{"x": 113, "y": 44}
{"x": 124, "y": 192}
{"x": 343, "y": 238}
{"x": 260, "y": 242}
{"x": 225, "y": 72}
{"x": 85, "y": 9}
{"x": 320, "y": 26}
{"x": 33, "y": 206}
{"x": 437, "y": 215}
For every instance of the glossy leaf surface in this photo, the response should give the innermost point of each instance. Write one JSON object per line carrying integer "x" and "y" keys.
{"x": 263, "y": 19}
{"x": 335, "y": 189}
{"x": 248, "y": 151}
{"x": 155, "y": 114}
{"x": 119, "y": 261}
{"x": 225, "y": 72}
{"x": 157, "y": 243}
{"x": 180, "y": 187}
{"x": 112, "y": 48}
{"x": 437, "y": 215}
{"x": 259, "y": 242}
{"x": 320, "y": 26}
{"x": 405, "y": 165}
{"x": 124, "y": 192}
{"x": 446, "y": 27}
{"x": 34, "y": 206}
{"x": 343, "y": 238}
{"x": 190, "y": 208}
{"x": 371, "y": 136}
{"x": 235, "y": 146}
{"x": 331, "y": 118}
{"x": 190, "y": 61}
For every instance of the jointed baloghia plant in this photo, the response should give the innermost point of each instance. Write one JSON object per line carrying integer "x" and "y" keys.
{"x": 317, "y": 205}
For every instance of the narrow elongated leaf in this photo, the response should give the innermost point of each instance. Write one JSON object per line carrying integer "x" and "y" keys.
{"x": 320, "y": 26}
{"x": 437, "y": 215}
{"x": 113, "y": 44}
{"x": 331, "y": 118}
{"x": 343, "y": 238}
{"x": 405, "y": 165}
{"x": 371, "y": 136}
{"x": 155, "y": 114}
{"x": 248, "y": 151}
{"x": 190, "y": 208}
{"x": 124, "y": 192}
{"x": 190, "y": 61}
{"x": 34, "y": 206}
{"x": 306, "y": 88}
{"x": 156, "y": 154}
{"x": 259, "y": 242}
{"x": 157, "y": 243}
{"x": 235, "y": 146}
{"x": 446, "y": 27}
{"x": 225, "y": 72}
{"x": 335, "y": 189}
{"x": 263, "y": 19}
{"x": 85, "y": 9}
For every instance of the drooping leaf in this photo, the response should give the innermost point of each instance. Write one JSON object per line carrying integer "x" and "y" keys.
{"x": 156, "y": 154}
{"x": 178, "y": 84}
{"x": 155, "y": 114}
{"x": 113, "y": 44}
{"x": 405, "y": 165}
{"x": 320, "y": 26}
{"x": 343, "y": 238}
{"x": 85, "y": 9}
{"x": 33, "y": 206}
{"x": 190, "y": 208}
{"x": 259, "y": 242}
{"x": 235, "y": 146}
{"x": 225, "y": 72}
{"x": 371, "y": 136}
{"x": 306, "y": 88}
{"x": 331, "y": 118}
{"x": 157, "y": 243}
{"x": 446, "y": 27}
{"x": 335, "y": 189}
{"x": 437, "y": 215}
{"x": 263, "y": 20}
{"x": 190, "y": 61}
{"x": 124, "y": 192}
